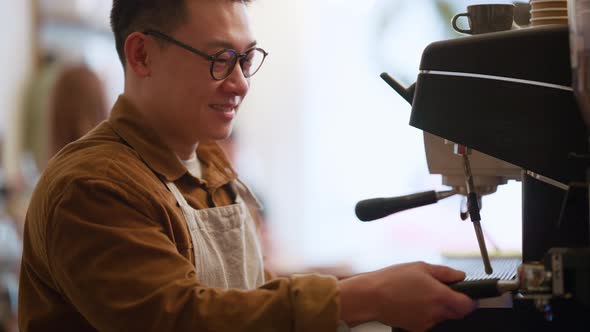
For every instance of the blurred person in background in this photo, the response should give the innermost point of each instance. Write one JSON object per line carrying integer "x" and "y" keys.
{"x": 143, "y": 224}
{"x": 77, "y": 104}
{"x": 64, "y": 101}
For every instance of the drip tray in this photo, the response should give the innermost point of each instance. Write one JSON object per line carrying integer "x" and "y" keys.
{"x": 504, "y": 267}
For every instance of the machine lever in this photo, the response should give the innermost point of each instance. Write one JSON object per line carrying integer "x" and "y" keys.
{"x": 377, "y": 208}
{"x": 406, "y": 93}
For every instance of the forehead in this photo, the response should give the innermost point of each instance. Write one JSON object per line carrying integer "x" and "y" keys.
{"x": 217, "y": 20}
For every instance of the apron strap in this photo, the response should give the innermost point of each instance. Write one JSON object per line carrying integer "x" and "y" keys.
{"x": 174, "y": 190}
{"x": 189, "y": 217}
{"x": 245, "y": 193}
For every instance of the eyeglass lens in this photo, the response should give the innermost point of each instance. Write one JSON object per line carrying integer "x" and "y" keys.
{"x": 225, "y": 62}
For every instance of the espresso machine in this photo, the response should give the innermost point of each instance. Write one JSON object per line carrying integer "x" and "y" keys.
{"x": 496, "y": 107}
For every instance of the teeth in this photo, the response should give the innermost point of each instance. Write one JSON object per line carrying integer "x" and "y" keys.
{"x": 222, "y": 108}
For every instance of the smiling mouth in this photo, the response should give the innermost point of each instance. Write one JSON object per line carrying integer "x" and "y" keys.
{"x": 223, "y": 108}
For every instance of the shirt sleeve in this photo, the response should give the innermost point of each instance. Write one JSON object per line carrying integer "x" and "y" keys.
{"x": 111, "y": 259}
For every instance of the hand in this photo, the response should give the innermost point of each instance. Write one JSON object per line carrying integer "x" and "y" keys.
{"x": 411, "y": 296}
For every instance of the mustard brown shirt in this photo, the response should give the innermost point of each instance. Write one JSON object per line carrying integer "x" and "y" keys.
{"x": 106, "y": 247}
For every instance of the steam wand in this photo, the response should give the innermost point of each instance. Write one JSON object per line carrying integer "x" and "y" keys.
{"x": 473, "y": 206}
{"x": 380, "y": 207}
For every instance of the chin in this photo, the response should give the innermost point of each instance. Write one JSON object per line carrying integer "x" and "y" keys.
{"x": 224, "y": 134}
{"x": 220, "y": 136}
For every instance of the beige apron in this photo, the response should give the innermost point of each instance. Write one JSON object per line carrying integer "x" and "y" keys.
{"x": 225, "y": 242}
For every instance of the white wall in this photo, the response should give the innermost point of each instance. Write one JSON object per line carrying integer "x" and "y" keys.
{"x": 16, "y": 62}
{"x": 322, "y": 131}
{"x": 270, "y": 126}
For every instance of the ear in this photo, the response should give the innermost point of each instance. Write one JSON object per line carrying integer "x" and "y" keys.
{"x": 137, "y": 54}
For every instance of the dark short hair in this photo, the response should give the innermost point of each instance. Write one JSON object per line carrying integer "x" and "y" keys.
{"x": 128, "y": 16}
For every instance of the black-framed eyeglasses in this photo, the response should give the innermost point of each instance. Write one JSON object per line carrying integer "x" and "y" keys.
{"x": 224, "y": 61}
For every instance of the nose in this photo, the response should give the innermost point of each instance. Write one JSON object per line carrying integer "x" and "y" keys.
{"x": 236, "y": 83}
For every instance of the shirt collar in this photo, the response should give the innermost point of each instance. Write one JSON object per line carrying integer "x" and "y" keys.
{"x": 128, "y": 122}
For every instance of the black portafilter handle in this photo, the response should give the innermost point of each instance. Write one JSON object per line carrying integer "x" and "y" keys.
{"x": 477, "y": 289}
{"x": 484, "y": 288}
{"x": 377, "y": 208}
{"x": 480, "y": 289}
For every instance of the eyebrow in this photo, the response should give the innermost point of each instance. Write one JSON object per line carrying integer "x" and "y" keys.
{"x": 224, "y": 44}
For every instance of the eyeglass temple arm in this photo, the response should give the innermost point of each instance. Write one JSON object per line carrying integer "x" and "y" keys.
{"x": 176, "y": 42}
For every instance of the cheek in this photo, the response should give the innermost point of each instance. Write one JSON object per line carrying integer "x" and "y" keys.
{"x": 192, "y": 71}
{"x": 176, "y": 72}
{"x": 186, "y": 88}
{"x": 196, "y": 88}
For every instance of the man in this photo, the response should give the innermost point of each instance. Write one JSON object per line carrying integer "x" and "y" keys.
{"x": 141, "y": 225}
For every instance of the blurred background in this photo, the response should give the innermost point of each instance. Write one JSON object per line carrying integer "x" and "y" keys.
{"x": 319, "y": 131}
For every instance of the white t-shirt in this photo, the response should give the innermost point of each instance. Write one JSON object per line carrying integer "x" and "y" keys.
{"x": 193, "y": 165}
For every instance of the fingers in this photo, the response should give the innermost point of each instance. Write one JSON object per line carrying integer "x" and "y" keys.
{"x": 459, "y": 305}
{"x": 456, "y": 306}
{"x": 445, "y": 273}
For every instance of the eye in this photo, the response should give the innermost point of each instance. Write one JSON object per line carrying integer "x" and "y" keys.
{"x": 252, "y": 61}
{"x": 223, "y": 60}
{"x": 247, "y": 62}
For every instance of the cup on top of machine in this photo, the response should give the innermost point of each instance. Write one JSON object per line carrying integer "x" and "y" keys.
{"x": 548, "y": 12}
{"x": 486, "y": 18}
{"x": 544, "y": 12}
{"x": 545, "y": 4}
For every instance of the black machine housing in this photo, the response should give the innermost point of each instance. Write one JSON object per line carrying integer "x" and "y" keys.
{"x": 508, "y": 94}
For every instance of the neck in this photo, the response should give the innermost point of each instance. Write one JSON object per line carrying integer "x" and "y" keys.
{"x": 169, "y": 136}
{"x": 189, "y": 156}
{"x": 183, "y": 150}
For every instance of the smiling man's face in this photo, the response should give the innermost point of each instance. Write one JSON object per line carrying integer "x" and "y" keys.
{"x": 193, "y": 106}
